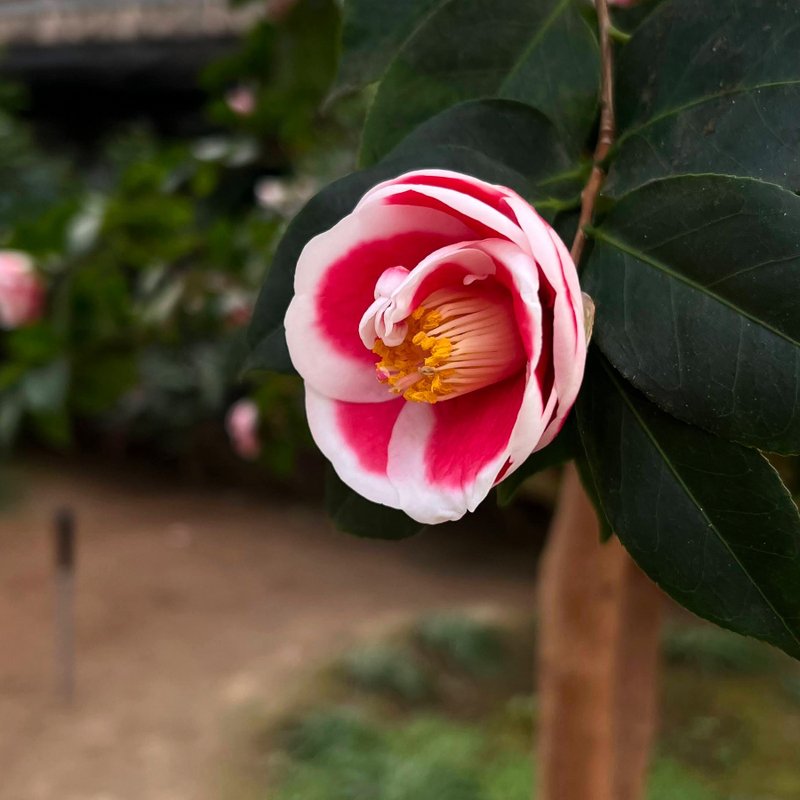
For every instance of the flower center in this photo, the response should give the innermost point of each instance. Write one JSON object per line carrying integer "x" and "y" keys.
{"x": 458, "y": 340}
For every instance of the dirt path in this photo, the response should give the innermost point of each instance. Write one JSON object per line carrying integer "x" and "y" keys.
{"x": 193, "y": 609}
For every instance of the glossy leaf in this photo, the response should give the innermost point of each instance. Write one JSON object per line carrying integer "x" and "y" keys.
{"x": 352, "y": 513}
{"x": 540, "y": 52}
{"x": 697, "y": 286}
{"x": 491, "y": 140}
{"x": 627, "y": 18}
{"x": 708, "y": 520}
{"x": 709, "y": 86}
{"x": 502, "y": 141}
{"x": 590, "y": 487}
{"x": 372, "y": 33}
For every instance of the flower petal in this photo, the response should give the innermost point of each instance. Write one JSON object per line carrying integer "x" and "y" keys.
{"x": 485, "y": 220}
{"x": 487, "y": 193}
{"x": 355, "y": 438}
{"x": 335, "y": 284}
{"x": 568, "y": 336}
{"x": 445, "y": 458}
{"x": 569, "y": 342}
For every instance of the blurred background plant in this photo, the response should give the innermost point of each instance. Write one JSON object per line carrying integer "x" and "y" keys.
{"x": 151, "y": 245}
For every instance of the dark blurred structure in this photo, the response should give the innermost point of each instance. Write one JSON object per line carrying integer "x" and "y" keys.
{"x": 90, "y": 64}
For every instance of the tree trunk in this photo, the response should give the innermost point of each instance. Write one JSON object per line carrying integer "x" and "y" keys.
{"x": 598, "y": 660}
{"x": 579, "y": 600}
{"x": 637, "y": 681}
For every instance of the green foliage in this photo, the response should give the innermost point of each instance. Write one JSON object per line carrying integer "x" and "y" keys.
{"x": 488, "y": 48}
{"x": 705, "y": 86}
{"x": 685, "y": 503}
{"x": 463, "y": 642}
{"x": 723, "y": 350}
{"x": 288, "y": 65}
{"x": 40, "y": 183}
{"x": 388, "y": 670}
{"x": 371, "y": 40}
{"x": 324, "y": 732}
{"x": 669, "y": 781}
{"x": 151, "y": 254}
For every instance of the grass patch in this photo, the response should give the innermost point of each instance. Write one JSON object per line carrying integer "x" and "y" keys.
{"x": 464, "y": 643}
{"x": 389, "y": 670}
{"x": 446, "y": 712}
{"x": 339, "y": 756}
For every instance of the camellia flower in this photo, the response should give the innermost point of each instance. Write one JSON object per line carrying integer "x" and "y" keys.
{"x": 22, "y": 292}
{"x": 242, "y": 426}
{"x": 439, "y": 329}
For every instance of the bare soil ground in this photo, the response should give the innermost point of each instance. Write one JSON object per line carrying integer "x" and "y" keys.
{"x": 194, "y": 608}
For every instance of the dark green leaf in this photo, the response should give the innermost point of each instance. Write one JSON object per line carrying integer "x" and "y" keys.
{"x": 491, "y": 140}
{"x": 697, "y": 284}
{"x": 590, "y": 487}
{"x": 709, "y": 86}
{"x": 558, "y": 452}
{"x": 540, "y": 52}
{"x": 629, "y": 18}
{"x": 708, "y": 520}
{"x": 351, "y": 513}
{"x": 502, "y": 141}
{"x": 372, "y": 33}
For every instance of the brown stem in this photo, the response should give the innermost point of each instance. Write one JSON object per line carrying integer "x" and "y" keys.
{"x": 579, "y": 597}
{"x": 637, "y": 673}
{"x": 607, "y": 130}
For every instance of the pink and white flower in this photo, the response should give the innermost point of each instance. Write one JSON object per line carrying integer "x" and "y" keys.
{"x": 22, "y": 291}
{"x": 439, "y": 329}
{"x": 242, "y": 426}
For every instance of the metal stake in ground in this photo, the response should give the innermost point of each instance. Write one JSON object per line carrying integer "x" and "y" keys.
{"x": 64, "y": 542}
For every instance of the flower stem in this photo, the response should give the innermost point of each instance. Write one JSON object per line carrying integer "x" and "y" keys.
{"x": 606, "y": 133}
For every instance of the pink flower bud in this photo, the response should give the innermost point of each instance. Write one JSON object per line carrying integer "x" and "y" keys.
{"x": 241, "y": 100}
{"x": 242, "y": 426}
{"x": 22, "y": 292}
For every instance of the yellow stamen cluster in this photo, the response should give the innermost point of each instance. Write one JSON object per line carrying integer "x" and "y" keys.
{"x": 459, "y": 340}
{"x": 415, "y": 367}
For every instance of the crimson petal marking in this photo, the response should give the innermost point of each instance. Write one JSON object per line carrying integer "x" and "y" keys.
{"x": 444, "y": 458}
{"x": 355, "y": 438}
{"x": 335, "y": 283}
